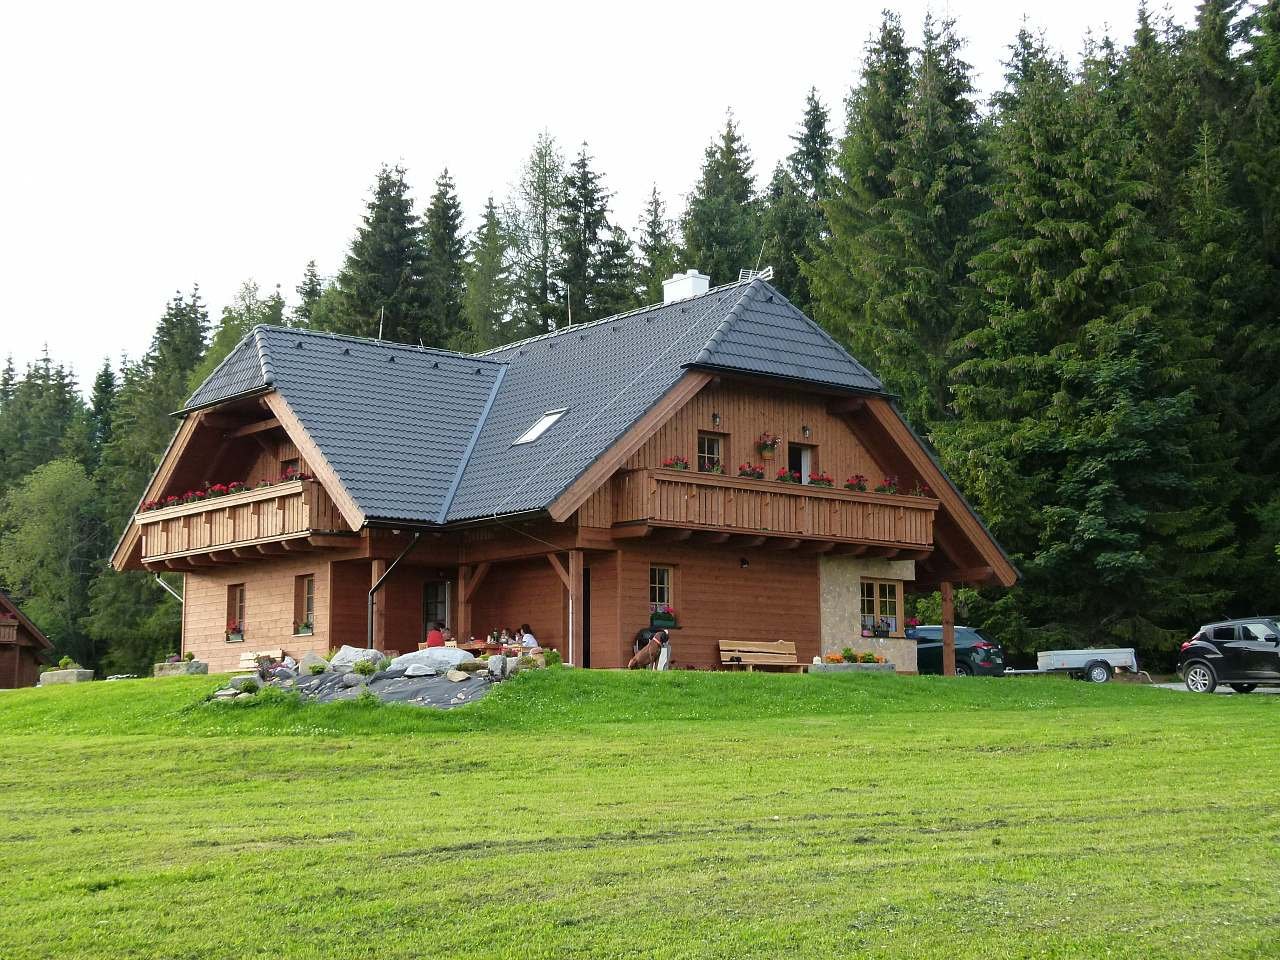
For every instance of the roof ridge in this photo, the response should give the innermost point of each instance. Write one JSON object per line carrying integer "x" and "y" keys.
{"x": 730, "y": 318}
{"x": 264, "y": 359}
{"x": 822, "y": 330}
{"x": 593, "y": 323}
{"x": 371, "y": 341}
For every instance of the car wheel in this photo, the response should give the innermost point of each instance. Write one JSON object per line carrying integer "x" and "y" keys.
{"x": 1243, "y": 687}
{"x": 963, "y": 669}
{"x": 1199, "y": 678}
{"x": 1097, "y": 672}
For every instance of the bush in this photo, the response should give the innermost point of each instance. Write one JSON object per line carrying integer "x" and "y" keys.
{"x": 66, "y": 663}
{"x": 868, "y": 657}
{"x": 833, "y": 657}
{"x": 848, "y": 655}
{"x": 553, "y": 658}
{"x": 188, "y": 656}
{"x": 471, "y": 666}
{"x": 366, "y": 668}
{"x": 385, "y": 664}
{"x": 316, "y": 668}
{"x": 366, "y": 697}
{"x": 249, "y": 687}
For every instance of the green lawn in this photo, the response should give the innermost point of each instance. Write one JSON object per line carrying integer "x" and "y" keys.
{"x": 589, "y": 814}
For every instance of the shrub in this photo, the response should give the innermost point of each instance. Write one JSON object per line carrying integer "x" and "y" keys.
{"x": 318, "y": 668}
{"x": 470, "y": 666}
{"x": 249, "y": 687}
{"x": 384, "y": 663}
{"x": 527, "y": 661}
{"x": 868, "y": 657}
{"x": 66, "y": 663}
{"x": 188, "y": 656}
{"x": 833, "y": 657}
{"x": 366, "y": 697}
{"x": 553, "y": 658}
{"x": 366, "y": 668}
{"x": 848, "y": 655}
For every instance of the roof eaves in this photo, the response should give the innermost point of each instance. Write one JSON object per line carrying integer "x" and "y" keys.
{"x": 242, "y": 395}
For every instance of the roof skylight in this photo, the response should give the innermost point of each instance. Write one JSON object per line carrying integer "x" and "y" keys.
{"x": 543, "y": 424}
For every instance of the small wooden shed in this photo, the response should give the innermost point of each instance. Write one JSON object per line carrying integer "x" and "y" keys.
{"x": 21, "y": 644}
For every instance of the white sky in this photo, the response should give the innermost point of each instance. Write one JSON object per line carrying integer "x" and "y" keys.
{"x": 151, "y": 146}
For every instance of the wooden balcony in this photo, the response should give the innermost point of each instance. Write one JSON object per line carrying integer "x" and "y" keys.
{"x": 706, "y": 501}
{"x": 281, "y": 513}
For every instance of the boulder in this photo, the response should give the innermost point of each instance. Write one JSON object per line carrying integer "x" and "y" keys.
{"x": 347, "y": 657}
{"x": 225, "y": 693}
{"x": 283, "y": 673}
{"x": 76, "y": 675}
{"x": 238, "y": 683}
{"x": 352, "y": 680}
{"x": 498, "y": 668}
{"x": 311, "y": 659}
{"x": 180, "y": 669}
{"x": 437, "y": 658}
{"x": 420, "y": 670}
{"x": 455, "y": 676}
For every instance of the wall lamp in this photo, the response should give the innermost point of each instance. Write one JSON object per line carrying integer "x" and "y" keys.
{"x": 715, "y": 419}
{"x": 744, "y": 563}
{"x": 807, "y": 432}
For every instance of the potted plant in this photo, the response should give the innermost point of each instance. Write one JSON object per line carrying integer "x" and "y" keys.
{"x": 751, "y": 471}
{"x": 303, "y": 629}
{"x": 888, "y": 485}
{"x": 675, "y": 463}
{"x": 712, "y": 468}
{"x": 821, "y": 480}
{"x": 788, "y": 476}
{"x": 235, "y": 631}
{"x": 767, "y": 444}
{"x": 662, "y": 615}
{"x": 856, "y": 482}
{"x": 921, "y": 490}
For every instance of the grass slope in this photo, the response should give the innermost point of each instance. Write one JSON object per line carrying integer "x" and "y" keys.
{"x": 590, "y": 814}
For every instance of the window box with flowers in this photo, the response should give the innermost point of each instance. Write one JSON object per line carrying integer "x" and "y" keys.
{"x": 788, "y": 476}
{"x": 663, "y": 615}
{"x": 675, "y": 463}
{"x": 888, "y": 485}
{"x": 767, "y": 445}
{"x": 857, "y": 482}
{"x": 821, "y": 480}
{"x": 751, "y": 471}
{"x": 235, "y": 632}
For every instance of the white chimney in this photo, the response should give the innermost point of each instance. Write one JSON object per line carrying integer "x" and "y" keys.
{"x": 682, "y": 286}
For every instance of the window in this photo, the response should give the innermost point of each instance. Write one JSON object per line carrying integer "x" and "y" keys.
{"x": 661, "y": 580}
{"x": 543, "y": 424}
{"x": 1224, "y": 634}
{"x": 235, "y": 613}
{"x": 880, "y": 602}
{"x": 1256, "y": 631}
{"x": 802, "y": 459}
{"x": 435, "y": 603}
{"x": 711, "y": 453}
{"x": 291, "y": 466}
{"x": 304, "y": 604}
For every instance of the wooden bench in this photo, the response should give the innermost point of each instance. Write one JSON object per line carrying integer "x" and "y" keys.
{"x": 750, "y": 655}
{"x": 249, "y": 661}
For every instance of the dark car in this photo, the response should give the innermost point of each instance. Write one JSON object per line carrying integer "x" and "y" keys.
{"x": 1239, "y": 653}
{"x": 976, "y": 653}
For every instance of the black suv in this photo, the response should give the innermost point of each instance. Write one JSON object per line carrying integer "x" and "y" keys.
{"x": 1239, "y": 653}
{"x": 977, "y": 655}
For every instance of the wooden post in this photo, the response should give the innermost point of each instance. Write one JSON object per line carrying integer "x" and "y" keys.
{"x": 576, "y": 565}
{"x": 377, "y": 569}
{"x": 948, "y": 630}
{"x": 464, "y": 603}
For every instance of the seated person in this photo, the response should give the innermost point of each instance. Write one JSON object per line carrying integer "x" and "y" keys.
{"x": 435, "y": 636}
{"x": 526, "y": 637}
{"x": 447, "y": 639}
{"x": 504, "y": 636}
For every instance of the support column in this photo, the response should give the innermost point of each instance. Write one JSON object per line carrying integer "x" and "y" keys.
{"x": 463, "y": 632}
{"x": 376, "y": 569}
{"x": 577, "y": 563}
{"x": 948, "y": 629}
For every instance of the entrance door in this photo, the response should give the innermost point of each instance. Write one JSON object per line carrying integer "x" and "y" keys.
{"x": 586, "y": 616}
{"x": 1261, "y": 656}
{"x": 435, "y": 605}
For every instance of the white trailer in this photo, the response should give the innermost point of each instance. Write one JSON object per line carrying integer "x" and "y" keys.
{"x": 1096, "y": 664}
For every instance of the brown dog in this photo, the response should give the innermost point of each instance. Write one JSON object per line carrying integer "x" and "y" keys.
{"x": 648, "y": 655}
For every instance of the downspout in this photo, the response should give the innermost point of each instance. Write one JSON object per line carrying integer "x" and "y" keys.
{"x": 378, "y": 586}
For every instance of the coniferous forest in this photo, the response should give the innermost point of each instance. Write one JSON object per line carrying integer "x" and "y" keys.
{"x": 1072, "y": 287}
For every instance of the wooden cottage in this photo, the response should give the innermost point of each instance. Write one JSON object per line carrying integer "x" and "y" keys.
{"x": 324, "y": 489}
{"x": 22, "y": 647}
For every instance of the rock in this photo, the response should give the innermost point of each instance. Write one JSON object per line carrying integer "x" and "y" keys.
{"x": 243, "y": 696}
{"x": 498, "y": 667}
{"x": 238, "y": 682}
{"x": 420, "y": 670}
{"x": 226, "y": 693}
{"x": 283, "y": 673}
{"x": 347, "y": 657}
{"x": 50, "y": 677}
{"x": 352, "y": 680}
{"x": 309, "y": 660}
{"x": 438, "y": 658}
{"x": 180, "y": 669}
{"x": 454, "y": 676}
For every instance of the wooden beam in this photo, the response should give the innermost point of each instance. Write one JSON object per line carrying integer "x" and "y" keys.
{"x": 968, "y": 575}
{"x": 559, "y": 568}
{"x": 704, "y": 537}
{"x": 673, "y": 534}
{"x": 273, "y": 549}
{"x": 747, "y": 540}
{"x": 464, "y": 601}
{"x": 245, "y": 553}
{"x": 474, "y": 580}
{"x": 376, "y": 569}
{"x": 818, "y": 547}
{"x": 298, "y": 545}
{"x": 629, "y": 531}
{"x": 599, "y": 472}
{"x": 576, "y": 567}
{"x": 846, "y": 405}
{"x": 339, "y": 540}
{"x": 271, "y": 423}
{"x": 948, "y": 630}
{"x": 225, "y": 556}
{"x": 786, "y": 543}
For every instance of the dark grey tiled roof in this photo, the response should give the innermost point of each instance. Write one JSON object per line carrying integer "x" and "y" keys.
{"x": 429, "y": 436}
{"x": 394, "y": 421}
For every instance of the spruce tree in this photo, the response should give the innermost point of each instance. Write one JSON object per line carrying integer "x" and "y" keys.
{"x": 613, "y": 280}
{"x": 445, "y": 256}
{"x": 722, "y": 231}
{"x": 657, "y": 248}
{"x": 789, "y": 226}
{"x": 101, "y": 411}
{"x": 381, "y": 285}
{"x": 582, "y": 226}
{"x": 247, "y": 309}
{"x": 309, "y": 292}
{"x": 534, "y": 216}
{"x": 486, "y": 304}
{"x": 810, "y": 161}
{"x": 875, "y": 123}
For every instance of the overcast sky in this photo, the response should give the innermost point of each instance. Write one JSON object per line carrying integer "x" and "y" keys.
{"x": 149, "y": 147}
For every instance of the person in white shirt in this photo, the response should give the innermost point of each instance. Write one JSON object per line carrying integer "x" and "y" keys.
{"x": 526, "y": 637}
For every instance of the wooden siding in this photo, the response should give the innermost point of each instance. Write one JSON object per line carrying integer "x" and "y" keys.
{"x": 688, "y": 499}
{"x": 748, "y": 410}
{"x": 258, "y": 515}
{"x": 774, "y": 597}
{"x": 268, "y": 613}
{"x": 274, "y": 451}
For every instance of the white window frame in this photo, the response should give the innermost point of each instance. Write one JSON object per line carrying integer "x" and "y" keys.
{"x": 541, "y": 426}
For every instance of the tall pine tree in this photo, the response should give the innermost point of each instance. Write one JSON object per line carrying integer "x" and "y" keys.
{"x": 534, "y": 217}
{"x": 445, "y": 255}
{"x": 486, "y": 304}
{"x": 657, "y": 248}
{"x": 722, "y": 231}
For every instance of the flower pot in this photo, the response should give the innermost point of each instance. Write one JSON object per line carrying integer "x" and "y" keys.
{"x": 237, "y": 637}
{"x": 664, "y": 620}
{"x": 766, "y": 453}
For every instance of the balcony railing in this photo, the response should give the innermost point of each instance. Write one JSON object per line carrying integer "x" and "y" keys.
{"x": 278, "y": 512}
{"x": 709, "y": 501}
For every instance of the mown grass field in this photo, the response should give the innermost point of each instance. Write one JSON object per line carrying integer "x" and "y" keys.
{"x": 588, "y": 814}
